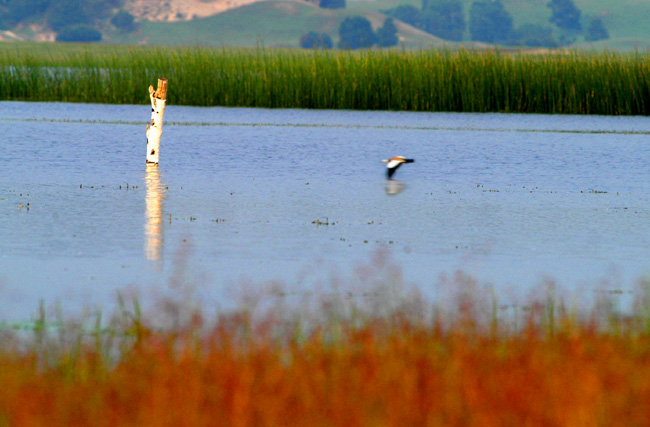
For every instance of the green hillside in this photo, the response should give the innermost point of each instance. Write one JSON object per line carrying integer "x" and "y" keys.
{"x": 281, "y": 23}
{"x": 273, "y": 23}
{"x": 626, "y": 20}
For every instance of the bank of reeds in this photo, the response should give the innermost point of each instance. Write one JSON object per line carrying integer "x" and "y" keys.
{"x": 392, "y": 362}
{"x": 428, "y": 80}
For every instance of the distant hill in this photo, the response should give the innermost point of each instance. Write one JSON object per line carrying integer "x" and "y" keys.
{"x": 273, "y": 23}
{"x": 281, "y": 23}
{"x": 179, "y": 10}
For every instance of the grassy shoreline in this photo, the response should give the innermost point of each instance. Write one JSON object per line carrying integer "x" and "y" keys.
{"x": 432, "y": 80}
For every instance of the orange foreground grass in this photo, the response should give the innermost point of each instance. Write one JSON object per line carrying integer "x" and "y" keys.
{"x": 394, "y": 371}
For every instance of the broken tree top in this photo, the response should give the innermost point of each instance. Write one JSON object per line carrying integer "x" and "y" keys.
{"x": 161, "y": 92}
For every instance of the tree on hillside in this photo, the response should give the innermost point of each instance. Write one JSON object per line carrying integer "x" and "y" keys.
{"x": 79, "y": 33}
{"x": 596, "y": 31}
{"x": 565, "y": 14}
{"x": 16, "y": 11}
{"x": 314, "y": 40}
{"x": 408, "y": 14}
{"x": 489, "y": 22}
{"x": 332, "y": 4}
{"x": 123, "y": 21}
{"x": 67, "y": 13}
{"x": 355, "y": 33}
{"x": 387, "y": 35}
{"x": 444, "y": 18}
{"x": 56, "y": 14}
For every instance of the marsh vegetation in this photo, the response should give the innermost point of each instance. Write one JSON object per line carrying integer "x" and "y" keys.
{"x": 429, "y": 80}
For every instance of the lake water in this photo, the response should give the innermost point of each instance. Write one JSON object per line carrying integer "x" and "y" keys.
{"x": 241, "y": 198}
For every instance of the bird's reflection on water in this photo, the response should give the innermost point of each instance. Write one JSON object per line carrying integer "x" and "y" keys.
{"x": 393, "y": 187}
{"x": 155, "y": 192}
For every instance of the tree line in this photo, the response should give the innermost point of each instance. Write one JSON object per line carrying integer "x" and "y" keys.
{"x": 71, "y": 20}
{"x": 354, "y": 33}
{"x": 488, "y": 21}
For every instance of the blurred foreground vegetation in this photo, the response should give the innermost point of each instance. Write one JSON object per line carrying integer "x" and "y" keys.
{"x": 381, "y": 357}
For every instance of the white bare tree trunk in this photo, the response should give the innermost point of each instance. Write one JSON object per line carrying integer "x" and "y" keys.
{"x": 154, "y": 129}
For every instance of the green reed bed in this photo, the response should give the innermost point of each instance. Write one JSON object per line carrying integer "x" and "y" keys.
{"x": 428, "y": 80}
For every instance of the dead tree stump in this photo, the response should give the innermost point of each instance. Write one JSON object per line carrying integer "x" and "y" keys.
{"x": 154, "y": 129}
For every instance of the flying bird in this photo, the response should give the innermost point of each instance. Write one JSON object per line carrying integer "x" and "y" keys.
{"x": 394, "y": 163}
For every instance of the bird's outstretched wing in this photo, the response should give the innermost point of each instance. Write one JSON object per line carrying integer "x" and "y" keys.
{"x": 391, "y": 170}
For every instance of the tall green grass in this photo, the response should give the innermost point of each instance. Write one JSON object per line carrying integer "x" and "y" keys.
{"x": 430, "y": 80}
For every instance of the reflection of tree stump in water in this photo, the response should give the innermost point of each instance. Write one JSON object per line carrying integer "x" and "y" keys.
{"x": 153, "y": 227}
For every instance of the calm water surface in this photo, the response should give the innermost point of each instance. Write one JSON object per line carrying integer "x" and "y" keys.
{"x": 509, "y": 199}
